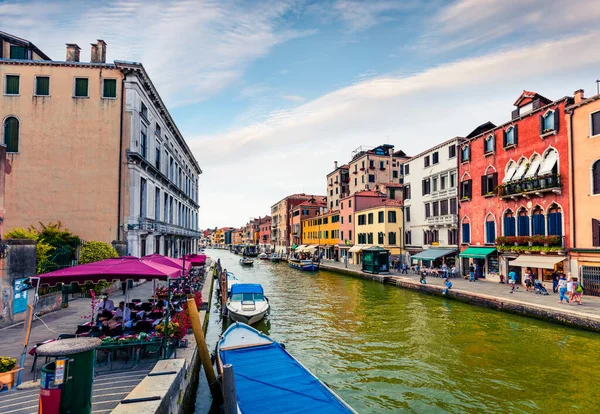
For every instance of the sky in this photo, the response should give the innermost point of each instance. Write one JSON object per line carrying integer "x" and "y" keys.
{"x": 268, "y": 94}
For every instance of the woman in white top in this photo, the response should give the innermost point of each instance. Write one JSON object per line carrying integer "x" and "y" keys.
{"x": 570, "y": 288}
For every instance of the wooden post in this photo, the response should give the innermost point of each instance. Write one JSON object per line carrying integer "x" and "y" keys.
{"x": 229, "y": 394}
{"x": 223, "y": 279}
{"x": 202, "y": 349}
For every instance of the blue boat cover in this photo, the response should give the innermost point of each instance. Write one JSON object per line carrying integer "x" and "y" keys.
{"x": 269, "y": 380}
{"x": 246, "y": 288}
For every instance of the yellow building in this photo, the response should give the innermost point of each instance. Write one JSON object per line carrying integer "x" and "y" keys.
{"x": 321, "y": 234}
{"x": 378, "y": 226}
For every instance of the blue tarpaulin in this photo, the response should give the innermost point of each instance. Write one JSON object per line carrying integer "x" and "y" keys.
{"x": 269, "y": 380}
{"x": 246, "y": 288}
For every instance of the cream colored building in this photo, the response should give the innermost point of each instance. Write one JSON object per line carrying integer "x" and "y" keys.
{"x": 92, "y": 144}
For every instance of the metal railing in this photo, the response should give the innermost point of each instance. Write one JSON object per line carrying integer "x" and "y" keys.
{"x": 167, "y": 228}
{"x": 551, "y": 182}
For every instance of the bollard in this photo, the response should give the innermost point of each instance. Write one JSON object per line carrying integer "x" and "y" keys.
{"x": 229, "y": 393}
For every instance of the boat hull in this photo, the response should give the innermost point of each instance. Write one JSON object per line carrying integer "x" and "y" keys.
{"x": 307, "y": 267}
{"x": 247, "y": 319}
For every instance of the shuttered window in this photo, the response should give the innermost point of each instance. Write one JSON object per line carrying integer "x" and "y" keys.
{"x": 595, "y": 123}
{"x": 523, "y": 225}
{"x": 595, "y": 233}
{"x": 509, "y": 226}
{"x": 538, "y": 227}
{"x": 490, "y": 232}
{"x": 466, "y": 233}
{"x": 555, "y": 224}
{"x": 81, "y": 87}
{"x": 18, "y": 52}
{"x": 11, "y": 134}
{"x": 109, "y": 88}
{"x": 12, "y": 85}
{"x": 42, "y": 85}
{"x": 596, "y": 177}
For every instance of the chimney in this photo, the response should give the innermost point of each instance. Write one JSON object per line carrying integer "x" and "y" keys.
{"x": 73, "y": 52}
{"x": 101, "y": 51}
{"x": 335, "y": 165}
{"x": 94, "y": 54}
{"x": 578, "y": 95}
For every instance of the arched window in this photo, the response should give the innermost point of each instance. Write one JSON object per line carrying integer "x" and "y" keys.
{"x": 523, "y": 223}
{"x": 509, "y": 223}
{"x": 596, "y": 177}
{"x": 466, "y": 231}
{"x": 511, "y": 168}
{"x": 10, "y": 134}
{"x": 520, "y": 172}
{"x": 547, "y": 122}
{"x": 549, "y": 164}
{"x": 489, "y": 144}
{"x": 534, "y": 166}
{"x": 537, "y": 221}
{"x": 490, "y": 229}
{"x": 554, "y": 221}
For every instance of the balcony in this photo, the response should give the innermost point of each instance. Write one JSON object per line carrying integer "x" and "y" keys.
{"x": 446, "y": 193}
{"x": 531, "y": 186}
{"x": 165, "y": 228}
{"x": 447, "y": 220}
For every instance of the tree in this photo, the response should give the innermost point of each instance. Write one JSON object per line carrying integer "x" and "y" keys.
{"x": 95, "y": 251}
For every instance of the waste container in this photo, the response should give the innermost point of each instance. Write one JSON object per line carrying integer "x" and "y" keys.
{"x": 50, "y": 390}
{"x": 75, "y": 370}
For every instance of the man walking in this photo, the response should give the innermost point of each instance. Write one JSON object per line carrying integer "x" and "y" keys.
{"x": 512, "y": 280}
{"x": 404, "y": 269}
{"x": 554, "y": 282}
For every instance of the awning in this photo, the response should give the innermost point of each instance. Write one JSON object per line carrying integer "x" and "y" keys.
{"x": 294, "y": 247}
{"x": 300, "y": 248}
{"x": 311, "y": 248}
{"x": 168, "y": 261}
{"x": 477, "y": 252}
{"x": 358, "y": 247}
{"x": 540, "y": 262}
{"x": 431, "y": 254}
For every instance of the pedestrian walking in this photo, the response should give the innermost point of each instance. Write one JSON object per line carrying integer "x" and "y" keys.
{"x": 404, "y": 269}
{"x": 512, "y": 280}
{"x": 471, "y": 273}
{"x": 562, "y": 288}
{"x": 578, "y": 292}
{"x": 454, "y": 271}
{"x": 570, "y": 287}
{"x": 555, "y": 282}
{"x": 445, "y": 271}
{"x": 528, "y": 281}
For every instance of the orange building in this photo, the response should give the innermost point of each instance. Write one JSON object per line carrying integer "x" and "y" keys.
{"x": 322, "y": 234}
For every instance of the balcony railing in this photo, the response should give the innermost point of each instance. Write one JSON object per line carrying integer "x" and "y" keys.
{"x": 527, "y": 186}
{"x": 445, "y": 193}
{"x": 447, "y": 220}
{"x": 161, "y": 227}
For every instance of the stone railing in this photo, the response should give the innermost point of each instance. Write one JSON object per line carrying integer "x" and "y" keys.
{"x": 447, "y": 220}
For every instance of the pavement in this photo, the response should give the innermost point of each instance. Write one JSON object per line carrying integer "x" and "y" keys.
{"x": 589, "y": 309}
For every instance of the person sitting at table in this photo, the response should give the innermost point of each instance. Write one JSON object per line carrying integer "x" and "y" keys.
{"x": 106, "y": 304}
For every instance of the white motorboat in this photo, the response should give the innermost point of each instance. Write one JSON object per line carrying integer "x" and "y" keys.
{"x": 263, "y": 256}
{"x": 247, "y": 303}
{"x": 244, "y": 261}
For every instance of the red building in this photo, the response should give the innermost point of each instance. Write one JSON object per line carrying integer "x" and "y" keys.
{"x": 514, "y": 181}
{"x": 264, "y": 231}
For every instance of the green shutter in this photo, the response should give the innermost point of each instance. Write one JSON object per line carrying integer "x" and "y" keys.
{"x": 42, "y": 86}
{"x": 17, "y": 52}
{"x": 81, "y": 87}
{"x": 110, "y": 88}
{"x": 12, "y": 85}
{"x": 11, "y": 134}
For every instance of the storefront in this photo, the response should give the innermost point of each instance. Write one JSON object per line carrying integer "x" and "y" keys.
{"x": 542, "y": 267}
{"x": 376, "y": 260}
{"x": 484, "y": 260}
{"x": 356, "y": 252}
{"x": 435, "y": 258}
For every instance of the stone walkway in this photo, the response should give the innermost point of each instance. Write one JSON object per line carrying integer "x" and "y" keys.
{"x": 590, "y": 308}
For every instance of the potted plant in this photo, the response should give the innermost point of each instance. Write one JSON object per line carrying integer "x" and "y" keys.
{"x": 8, "y": 369}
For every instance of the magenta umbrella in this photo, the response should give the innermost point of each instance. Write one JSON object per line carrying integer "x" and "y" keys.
{"x": 168, "y": 261}
{"x": 122, "y": 269}
{"x": 195, "y": 259}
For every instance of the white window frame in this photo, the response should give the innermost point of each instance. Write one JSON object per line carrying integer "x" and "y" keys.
{"x": 591, "y": 129}
{"x": 18, "y": 75}
{"x": 35, "y": 85}
{"x": 74, "y": 87}
{"x": 108, "y": 97}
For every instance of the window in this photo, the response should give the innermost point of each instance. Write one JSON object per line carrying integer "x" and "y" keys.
{"x": 465, "y": 190}
{"x": 426, "y": 161}
{"x": 143, "y": 198}
{"x": 490, "y": 230}
{"x": 391, "y": 216}
{"x": 436, "y": 208}
{"x": 465, "y": 154}
{"x": 42, "y": 86}
{"x": 453, "y": 209}
{"x": 157, "y": 204}
{"x": 443, "y": 207}
{"x": 372, "y": 164}
{"x": 426, "y": 237}
{"x": 109, "y": 88}
{"x": 435, "y": 158}
{"x": 157, "y": 130}
{"x": 380, "y": 238}
{"x": 596, "y": 177}
{"x": 509, "y": 224}
{"x": 555, "y": 221}
{"x": 81, "y": 88}
{"x": 370, "y": 218}
{"x": 11, "y": 84}
{"x": 362, "y": 179}
{"x": 595, "y": 124}
{"x": 18, "y": 52}
{"x": 466, "y": 233}
{"x": 452, "y": 180}
{"x": 453, "y": 236}
{"x": 349, "y": 234}
{"x": 489, "y": 183}
{"x": 342, "y": 219}
{"x": 510, "y": 136}
{"x": 144, "y": 111}
{"x": 362, "y": 238}
{"x": 434, "y": 182}
{"x": 489, "y": 144}
{"x": 426, "y": 186}
{"x": 157, "y": 157}
{"x": 407, "y": 169}
{"x": 381, "y": 217}
{"x": 392, "y": 193}
{"x": 407, "y": 191}
{"x": 381, "y": 165}
{"x": 523, "y": 224}
{"x": 143, "y": 142}
{"x": 371, "y": 178}
{"x": 362, "y": 220}
{"x": 335, "y": 219}
{"x": 370, "y": 238}
{"x": 452, "y": 151}
{"x": 549, "y": 122}
{"x": 408, "y": 237}
{"x": 350, "y": 219}
{"x": 330, "y": 193}
{"x": 427, "y": 210}
{"x": 407, "y": 213}
{"x": 443, "y": 179}
{"x": 392, "y": 238}
{"x": 395, "y": 174}
{"x": 537, "y": 223}
{"x": 10, "y": 134}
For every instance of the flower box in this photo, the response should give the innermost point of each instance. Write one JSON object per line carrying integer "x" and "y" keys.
{"x": 8, "y": 378}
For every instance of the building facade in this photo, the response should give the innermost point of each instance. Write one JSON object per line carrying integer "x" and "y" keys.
{"x": 371, "y": 167}
{"x": 381, "y": 226}
{"x": 338, "y": 185}
{"x": 514, "y": 181}
{"x": 281, "y": 237}
{"x": 430, "y": 196}
{"x": 583, "y": 121}
{"x": 323, "y": 233}
{"x": 264, "y": 232}
{"x": 305, "y": 210}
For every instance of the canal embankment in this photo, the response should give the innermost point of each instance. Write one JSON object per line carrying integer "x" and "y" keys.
{"x": 491, "y": 295}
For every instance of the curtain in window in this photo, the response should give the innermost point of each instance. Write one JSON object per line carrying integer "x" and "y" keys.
{"x": 555, "y": 224}
{"x": 42, "y": 86}
{"x": 490, "y": 231}
{"x": 523, "y": 226}
{"x": 538, "y": 225}
{"x": 466, "y": 233}
{"x": 509, "y": 226}
{"x": 11, "y": 134}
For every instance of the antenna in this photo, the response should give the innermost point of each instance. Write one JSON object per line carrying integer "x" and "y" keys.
{"x": 598, "y": 86}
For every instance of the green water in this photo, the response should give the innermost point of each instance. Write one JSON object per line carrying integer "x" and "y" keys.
{"x": 385, "y": 349}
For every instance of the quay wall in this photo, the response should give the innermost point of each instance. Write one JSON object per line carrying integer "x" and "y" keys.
{"x": 564, "y": 317}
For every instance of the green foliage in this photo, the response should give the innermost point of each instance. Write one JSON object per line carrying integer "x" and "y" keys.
{"x": 20, "y": 233}
{"x": 54, "y": 235}
{"x": 97, "y": 288}
{"x": 43, "y": 254}
{"x": 95, "y": 251}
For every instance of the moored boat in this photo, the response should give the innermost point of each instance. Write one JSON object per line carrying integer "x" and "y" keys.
{"x": 269, "y": 379}
{"x": 247, "y": 303}
{"x": 306, "y": 265}
{"x": 244, "y": 261}
{"x": 263, "y": 256}
{"x": 275, "y": 258}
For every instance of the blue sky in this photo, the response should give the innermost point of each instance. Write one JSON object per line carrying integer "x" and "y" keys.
{"x": 270, "y": 93}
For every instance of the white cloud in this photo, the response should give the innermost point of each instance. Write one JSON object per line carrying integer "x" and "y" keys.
{"x": 191, "y": 49}
{"x": 359, "y": 15}
{"x": 416, "y": 112}
{"x": 293, "y": 98}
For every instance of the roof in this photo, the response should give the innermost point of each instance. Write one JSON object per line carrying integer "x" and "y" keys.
{"x": 382, "y": 203}
{"x": 23, "y": 42}
{"x": 367, "y": 193}
{"x": 429, "y": 150}
{"x": 583, "y": 102}
{"x": 486, "y": 126}
{"x": 531, "y": 95}
{"x": 308, "y": 203}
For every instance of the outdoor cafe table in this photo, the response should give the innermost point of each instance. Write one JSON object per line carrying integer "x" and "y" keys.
{"x": 131, "y": 348}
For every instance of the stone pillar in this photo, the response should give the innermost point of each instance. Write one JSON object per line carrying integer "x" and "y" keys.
{"x": 20, "y": 263}
{"x": 133, "y": 244}
{"x": 120, "y": 246}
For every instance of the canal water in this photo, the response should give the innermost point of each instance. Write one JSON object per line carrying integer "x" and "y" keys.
{"x": 385, "y": 349}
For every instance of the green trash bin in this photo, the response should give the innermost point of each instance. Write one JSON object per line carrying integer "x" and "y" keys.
{"x": 78, "y": 378}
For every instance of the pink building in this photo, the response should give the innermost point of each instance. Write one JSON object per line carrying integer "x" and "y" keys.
{"x": 303, "y": 211}
{"x": 264, "y": 231}
{"x": 348, "y": 206}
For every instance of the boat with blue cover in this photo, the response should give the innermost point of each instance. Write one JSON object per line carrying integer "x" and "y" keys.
{"x": 247, "y": 303}
{"x": 268, "y": 379}
{"x": 306, "y": 265}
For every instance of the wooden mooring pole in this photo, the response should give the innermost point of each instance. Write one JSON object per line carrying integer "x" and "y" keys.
{"x": 223, "y": 281}
{"x": 229, "y": 394}
{"x": 203, "y": 350}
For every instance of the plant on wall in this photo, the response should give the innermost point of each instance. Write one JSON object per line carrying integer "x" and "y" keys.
{"x": 94, "y": 251}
